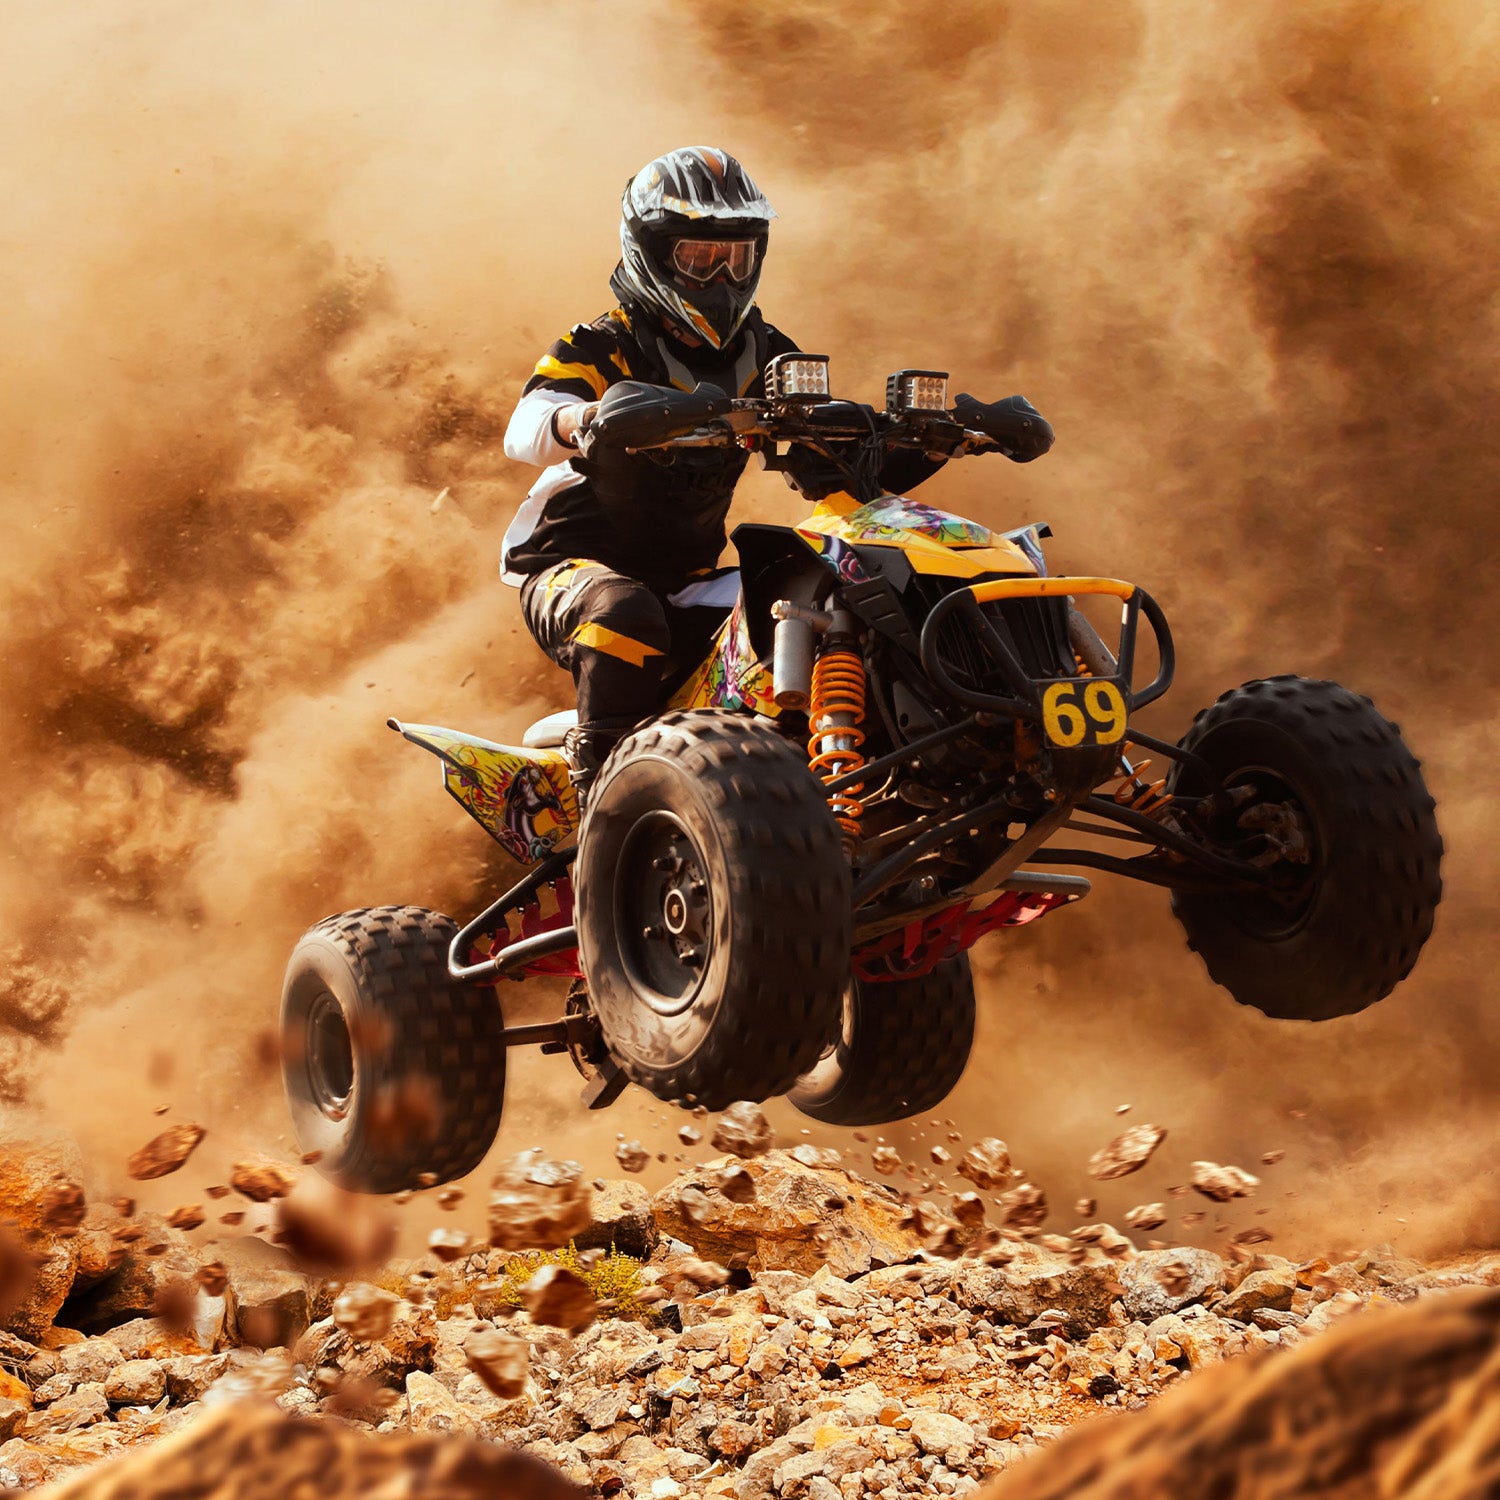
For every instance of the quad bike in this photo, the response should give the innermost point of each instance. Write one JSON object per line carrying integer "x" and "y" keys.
{"x": 905, "y": 735}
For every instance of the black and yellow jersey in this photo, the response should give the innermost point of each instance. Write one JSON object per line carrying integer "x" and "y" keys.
{"x": 656, "y": 516}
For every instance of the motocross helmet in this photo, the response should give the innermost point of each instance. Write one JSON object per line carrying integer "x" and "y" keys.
{"x": 693, "y": 233}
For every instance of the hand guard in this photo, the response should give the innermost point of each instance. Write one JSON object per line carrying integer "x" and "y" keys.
{"x": 1014, "y": 425}
{"x": 632, "y": 414}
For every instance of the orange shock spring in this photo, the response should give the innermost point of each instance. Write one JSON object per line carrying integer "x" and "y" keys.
{"x": 834, "y": 714}
{"x": 1149, "y": 798}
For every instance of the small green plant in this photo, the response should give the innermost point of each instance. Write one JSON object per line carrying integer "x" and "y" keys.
{"x": 614, "y": 1279}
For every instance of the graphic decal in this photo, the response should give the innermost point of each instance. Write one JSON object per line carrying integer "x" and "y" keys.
{"x": 731, "y": 677}
{"x": 523, "y": 798}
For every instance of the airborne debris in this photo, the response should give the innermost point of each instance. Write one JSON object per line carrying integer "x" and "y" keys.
{"x": 165, "y": 1153}
{"x": 448, "y": 1244}
{"x": 689, "y": 1135}
{"x": 1023, "y": 1207}
{"x": 560, "y": 1298}
{"x": 538, "y": 1204}
{"x": 365, "y": 1312}
{"x": 500, "y": 1360}
{"x": 736, "y": 1183}
{"x": 331, "y": 1232}
{"x": 1146, "y": 1216}
{"x": 1127, "y": 1153}
{"x": 1270, "y": 1158}
{"x": 262, "y": 1180}
{"x": 885, "y": 1160}
{"x": 743, "y": 1130}
{"x": 1085, "y": 1207}
{"x": 63, "y": 1208}
{"x": 188, "y": 1216}
{"x": 987, "y": 1165}
{"x": 1223, "y": 1183}
{"x": 632, "y": 1156}
{"x": 697, "y": 1207}
{"x": 213, "y": 1277}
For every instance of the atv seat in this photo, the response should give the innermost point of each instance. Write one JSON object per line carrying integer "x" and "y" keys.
{"x": 547, "y": 734}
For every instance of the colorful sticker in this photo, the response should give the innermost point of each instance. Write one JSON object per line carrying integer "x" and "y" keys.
{"x": 891, "y": 517}
{"x": 523, "y": 798}
{"x": 731, "y": 677}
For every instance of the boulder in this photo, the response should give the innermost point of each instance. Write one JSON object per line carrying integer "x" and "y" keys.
{"x": 622, "y": 1220}
{"x": 1037, "y": 1281}
{"x": 433, "y": 1409}
{"x": 90, "y": 1360}
{"x": 87, "y": 1405}
{"x": 268, "y": 1300}
{"x": 12, "y": 1415}
{"x": 32, "y": 1162}
{"x": 801, "y": 1217}
{"x": 1260, "y": 1290}
{"x": 137, "y": 1382}
{"x": 1161, "y": 1281}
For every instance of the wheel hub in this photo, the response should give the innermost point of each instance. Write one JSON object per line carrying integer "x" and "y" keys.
{"x": 665, "y": 911}
{"x": 330, "y": 1057}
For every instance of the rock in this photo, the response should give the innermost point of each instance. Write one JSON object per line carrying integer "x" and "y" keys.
{"x": 432, "y": 1409}
{"x": 501, "y": 1361}
{"x": 886, "y": 1160}
{"x": 166, "y": 1153}
{"x": 275, "y": 1454}
{"x": 85, "y": 1406}
{"x": 12, "y": 1415}
{"x": 329, "y": 1232}
{"x": 1222, "y": 1183}
{"x": 559, "y": 1298}
{"x": 632, "y": 1156}
{"x": 365, "y": 1312}
{"x": 188, "y": 1376}
{"x": 537, "y": 1204}
{"x": 1023, "y": 1206}
{"x": 1147, "y": 1216}
{"x": 100, "y": 1254}
{"x": 137, "y": 1382}
{"x": 1260, "y": 1290}
{"x": 936, "y": 1432}
{"x": 262, "y": 1179}
{"x": 1035, "y": 1282}
{"x": 1161, "y": 1281}
{"x": 40, "y": 1264}
{"x": 799, "y": 1219}
{"x": 1399, "y": 1404}
{"x": 743, "y": 1130}
{"x": 146, "y": 1338}
{"x": 1127, "y": 1153}
{"x": 987, "y": 1165}
{"x": 621, "y": 1220}
{"x": 90, "y": 1360}
{"x": 268, "y": 1299}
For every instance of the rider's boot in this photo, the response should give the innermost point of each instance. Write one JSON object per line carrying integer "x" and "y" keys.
{"x": 586, "y": 750}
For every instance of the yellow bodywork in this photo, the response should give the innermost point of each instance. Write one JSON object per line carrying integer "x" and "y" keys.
{"x": 933, "y": 541}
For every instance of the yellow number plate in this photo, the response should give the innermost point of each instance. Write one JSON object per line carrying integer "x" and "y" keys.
{"x": 1083, "y": 711}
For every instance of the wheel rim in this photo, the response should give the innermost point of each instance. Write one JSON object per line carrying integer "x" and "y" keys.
{"x": 330, "y": 1057}
{"x": 664, "y": 912}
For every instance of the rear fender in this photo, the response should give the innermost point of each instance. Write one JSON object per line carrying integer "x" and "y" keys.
{"x": 523, "y": 799}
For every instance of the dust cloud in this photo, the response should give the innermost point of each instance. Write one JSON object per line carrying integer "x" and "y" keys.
{"x": 272, "y": 277}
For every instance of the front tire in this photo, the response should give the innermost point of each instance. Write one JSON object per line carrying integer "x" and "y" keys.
{"x": 393, "y": 1072}
{"x": 902, "y": 1048}
{"x": 1364, "y": 905}
{"x": 713, "y": 912}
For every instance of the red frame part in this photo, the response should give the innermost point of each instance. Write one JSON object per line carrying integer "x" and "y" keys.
{"x": 920, "y": 946}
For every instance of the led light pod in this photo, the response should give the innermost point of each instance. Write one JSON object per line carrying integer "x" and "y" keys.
{"x": 797, "y": 377}
{"x": 917, "y": 390}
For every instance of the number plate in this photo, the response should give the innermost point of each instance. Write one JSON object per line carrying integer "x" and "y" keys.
{"x": 1083, "y": 711}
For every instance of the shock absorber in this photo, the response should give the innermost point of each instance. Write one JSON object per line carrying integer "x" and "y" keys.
{"x": 835, "y": 714}
{"x": 1151, "y": 798}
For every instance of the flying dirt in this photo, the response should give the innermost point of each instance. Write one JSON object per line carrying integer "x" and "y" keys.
{"x": 272, "y": 283}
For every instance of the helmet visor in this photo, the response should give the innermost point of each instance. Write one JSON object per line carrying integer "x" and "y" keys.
{"x": 704, "y": 261}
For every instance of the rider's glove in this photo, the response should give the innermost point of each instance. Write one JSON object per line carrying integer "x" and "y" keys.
{"x": 569, "y": 421}
{"x": 1014, "y": 425}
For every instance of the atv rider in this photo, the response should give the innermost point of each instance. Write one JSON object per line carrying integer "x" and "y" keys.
{"x": 616, "y": 554}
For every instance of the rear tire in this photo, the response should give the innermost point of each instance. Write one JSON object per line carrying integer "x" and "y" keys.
{"x": 713, "y": 909}
{"x": 903, "y": 1047}
{"x": 1373, "y": 883}
{"x": 392, "y": 1071}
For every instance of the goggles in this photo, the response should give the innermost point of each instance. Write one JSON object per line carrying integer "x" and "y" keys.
{"x": 703, "y": 261}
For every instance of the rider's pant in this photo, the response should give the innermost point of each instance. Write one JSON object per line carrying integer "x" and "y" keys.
{"x": 612, "y": 632}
